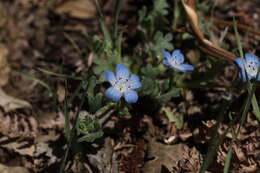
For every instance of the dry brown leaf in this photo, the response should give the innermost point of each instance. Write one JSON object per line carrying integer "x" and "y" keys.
{"x": 82, "y": 9}
{"x": 4, "y": 68}
{"x": 164, "y": 155}
{"x": 18, "y": 125}
{"x": 104, "y": 159}
{"x": 43, "y": 150}
{"x": 9, "y": 103}
{"x": 51, "y": 120}
{"x": 21, "y": 146}
{"x": 16, "y": 169}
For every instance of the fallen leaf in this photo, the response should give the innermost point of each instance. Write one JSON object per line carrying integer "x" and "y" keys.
{"x": 19, "y": 125}
{"x": 9, "y": 103}
{"x": 15, "y": 169}
{"x": 82, "y": 9}
{"x": 164, "y": 155}
{"x": 21, "y": 146}
{"x": 104, "y": 159}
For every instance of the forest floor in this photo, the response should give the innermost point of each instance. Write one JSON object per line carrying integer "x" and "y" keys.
{"x": 40, "y": 37}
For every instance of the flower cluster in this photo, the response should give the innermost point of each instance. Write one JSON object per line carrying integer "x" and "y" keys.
{"x": 248, "y": 67}
{"x": 123, "y": 84}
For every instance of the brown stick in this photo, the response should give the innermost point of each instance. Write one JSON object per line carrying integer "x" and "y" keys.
{"x": 206, "y": 46}
{"x": 239, "y": 26}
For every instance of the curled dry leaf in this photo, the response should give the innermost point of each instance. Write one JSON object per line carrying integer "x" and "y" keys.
{"x": 206, "y": 45}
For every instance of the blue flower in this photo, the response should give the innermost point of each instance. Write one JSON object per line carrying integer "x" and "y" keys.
{"x": 175, "y": 61}
{"x": 123, "y": 84}
{"x": 248, "y": 66}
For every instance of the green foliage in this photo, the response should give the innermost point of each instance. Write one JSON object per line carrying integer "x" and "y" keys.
{"x": 105, "y": 63}
{"x": 203, "y": 7}
{"x": 150, "y": 71}
{"x": 159, "y": 43}
{"x": 94, "y": 99}
{"x": 177, "y": 119}
{"x": 227, "y": 161}
{"x": 149, "y": 18}
{"x": 159, "y": 89}
{"x": 123, "y": 110}
{"x": 90, "y": 128}
{"x": 159, "y": 9}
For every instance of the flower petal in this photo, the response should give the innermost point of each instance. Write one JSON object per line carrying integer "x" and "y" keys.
{"x": 166, "y": 62}
{"x": 110, "y": 77}
{"x": 184, "y": 67}
{"x": 135, "y": 82}
{"x": 251, "y": 58}
{"x": 258, "y": 78}
{"x": 252, "y": 63}
{"x": 240, "y": 64}
{"x": 131, "y": 96}
{"x": 122, "y": 71}
{"x": 178, "y": 56}
{"x": 166, "y": 54}
{"x": 113, "y": 94}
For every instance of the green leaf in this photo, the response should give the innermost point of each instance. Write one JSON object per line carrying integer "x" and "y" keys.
{"x": 142, "y": 14}
{"x": 124, "y": 111}
{"x": 177, "y": 119}
{"x": 165, "y": 85}
{"x": 91, "y": 137}
{"x": 89, "y": 127}
{"x": 161, "y": 42}
{"x": 150, "y": 87}
{"x": 227, "y": 161}
{"x": 175, "y": 92}
{"x": 159, "y": 9}
{"x": 150, "y": 71}
{"x": 95, "y": 102}
{"x": 91, "y": 85}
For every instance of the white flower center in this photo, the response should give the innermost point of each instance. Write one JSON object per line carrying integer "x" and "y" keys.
{"x": 251, "y": 68}
{"x": 173, "y": 61}
{"x": 122, "y": 84}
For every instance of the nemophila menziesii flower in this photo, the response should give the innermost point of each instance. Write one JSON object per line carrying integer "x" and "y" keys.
{"x": 175, "y": 61}
{"x": 248, "y": 66}
{"x": 122, "y": 84}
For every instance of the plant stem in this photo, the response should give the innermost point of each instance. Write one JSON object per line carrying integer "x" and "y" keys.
{"x": 72, "y": 134}
{"x": 118, "y": 7}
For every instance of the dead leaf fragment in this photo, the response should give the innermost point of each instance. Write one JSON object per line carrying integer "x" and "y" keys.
{"x": 82, "y": 9}
{"x": 4, "y": 68}
{"x": 17, "y": 145}
{"x": 9, "y": 103}
{"x": 16, "y": 169}
{"x": 164, "y": 155}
